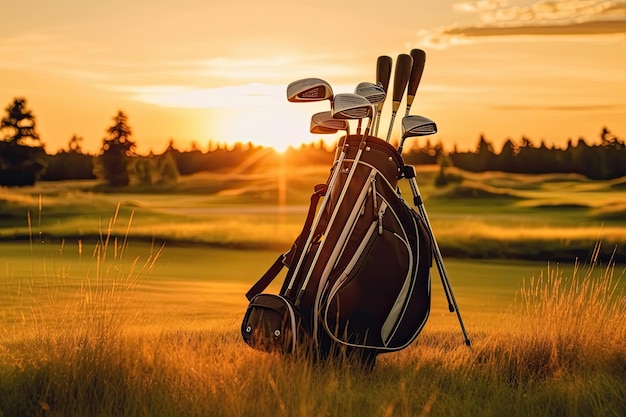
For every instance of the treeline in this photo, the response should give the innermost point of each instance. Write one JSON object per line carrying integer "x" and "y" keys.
{"x": 605, "y": 160}
{"x": 23, "y": 159}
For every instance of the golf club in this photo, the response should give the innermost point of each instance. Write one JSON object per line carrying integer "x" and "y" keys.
{"x": 416, "y": 126}
{"x": 374, "y": 93}
{"x": 401, "y": 78}
{"x": 309, "y": 89}
{"x": 323, "y": 123}
{"x": 417, "y": 69}
{"x": 383, "y": 74}
{"x": 353, "y": 106}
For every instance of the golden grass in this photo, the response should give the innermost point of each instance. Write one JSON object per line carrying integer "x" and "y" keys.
{"x": 562, "y": 325}
{"x": 558, "y": 351}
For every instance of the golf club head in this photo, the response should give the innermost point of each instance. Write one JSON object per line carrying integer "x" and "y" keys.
{"x": 374, "y": 93}
{"x": 417, "y": 126}
{"x": 351, "y": 106}
{"x": 323, "y": 123}
{"x": 321, "y": 130}
{"x": 309, "y": 89}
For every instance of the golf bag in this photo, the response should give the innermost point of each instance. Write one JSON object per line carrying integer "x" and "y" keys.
{"x": 358, "y": 275}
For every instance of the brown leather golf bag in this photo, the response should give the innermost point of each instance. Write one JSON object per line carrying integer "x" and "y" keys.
{"x": 359, "y": 273}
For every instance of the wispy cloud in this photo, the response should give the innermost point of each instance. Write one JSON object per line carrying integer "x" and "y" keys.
{"x": 267, "y": 68}
{"x": 255, "y": 94}
{"x": 582, "y": 107}
{"x": 167, "y": 79}
{"x": 499, "y": 18}
{"x": 233, "y": 96}
{"x": 574, "y": 28}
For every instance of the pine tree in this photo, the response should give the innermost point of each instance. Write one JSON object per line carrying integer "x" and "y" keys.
{"x": 20, "y": 122}
{"x": 117, "y": 149}
{"x": 20, "y": 163}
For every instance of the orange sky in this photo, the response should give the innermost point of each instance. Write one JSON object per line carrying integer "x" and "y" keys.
{"x": 192, "y": 70}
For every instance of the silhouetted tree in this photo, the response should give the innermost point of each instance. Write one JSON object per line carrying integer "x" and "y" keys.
{"x": 485, "y": 156}
{"x": 606, "y": 160}
{"x": 508, "y": 156}
{"x": 442, "y": 179}
{"x": 167, "y": 168}
{"x": 20, "y": 163}
{"x": 20, "y": 122}
{"x": 74, "y": 144}
{"x": 117, "y": 148}
{"x": 70, "y": 164}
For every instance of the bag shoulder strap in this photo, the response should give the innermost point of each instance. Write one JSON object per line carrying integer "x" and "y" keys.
{"x": 286, "y": 258}
{"x": 267, "y": 278}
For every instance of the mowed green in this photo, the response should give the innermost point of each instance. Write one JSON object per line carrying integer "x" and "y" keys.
{"x": 492, "y": 215}
{"x": 194, "y": 283}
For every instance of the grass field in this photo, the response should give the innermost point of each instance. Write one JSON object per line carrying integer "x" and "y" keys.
{"x": 129, "y": 304}
{"x": 141, "y": 331}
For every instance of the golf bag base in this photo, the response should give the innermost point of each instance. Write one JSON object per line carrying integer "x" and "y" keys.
{"x": 358, "y": 280}
{"x": 271, "y": 324}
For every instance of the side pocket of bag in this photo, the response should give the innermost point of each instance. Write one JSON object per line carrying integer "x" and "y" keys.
{"x": 271, "y": 324}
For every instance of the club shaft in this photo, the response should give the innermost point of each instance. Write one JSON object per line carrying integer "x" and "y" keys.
{"x": 331, "y": 184}
{"x": 401, "y": 146}
{"x": 330, "y": 222}
{"x": 408, "y": 108}
{"x": 452, "y": 304}
{"x": 393, "y": 118}
{"x": 377, "y": 121}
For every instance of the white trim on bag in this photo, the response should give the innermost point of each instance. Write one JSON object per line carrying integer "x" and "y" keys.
{"x": 292, "y": 316}
{"x": 330, "y": 262}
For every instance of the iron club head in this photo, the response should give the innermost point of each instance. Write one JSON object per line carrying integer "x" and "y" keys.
{"x": 323, "y": 123}
{"x": 351, "y": 106}
{"x": 417, "y": 126}
{"x": 309, "y": 89}
{"x": 374, "y": 93}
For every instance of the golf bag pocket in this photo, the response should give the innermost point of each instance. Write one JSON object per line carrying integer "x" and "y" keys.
{"x": 271, "y": 324}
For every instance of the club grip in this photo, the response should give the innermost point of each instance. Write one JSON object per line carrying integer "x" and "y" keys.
{"x": 419, "y": 60}
{"x": 383, "y": 71}
{"x": 401, "y": 77}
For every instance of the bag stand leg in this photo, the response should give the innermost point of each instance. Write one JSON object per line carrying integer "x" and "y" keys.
{"x": 409, "y": 173}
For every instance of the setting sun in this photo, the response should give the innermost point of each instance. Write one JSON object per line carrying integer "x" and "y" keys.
{"x": 279, "y": 126}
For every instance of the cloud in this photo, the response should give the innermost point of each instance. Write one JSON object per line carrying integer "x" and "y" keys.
{"x": 233, "y": 96}
{"x": 583, "y": 28}
{"x": 107, "y": 67}
{"x": 565, "y": 107}
{"x": 497, "y": 18}
{"x": 221, "y": 97}
{"x": 266, "y": 68}
{"x": 476, "y": 6}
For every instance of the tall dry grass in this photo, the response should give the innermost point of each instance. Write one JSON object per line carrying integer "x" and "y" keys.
{"x": 562, "y": 326}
